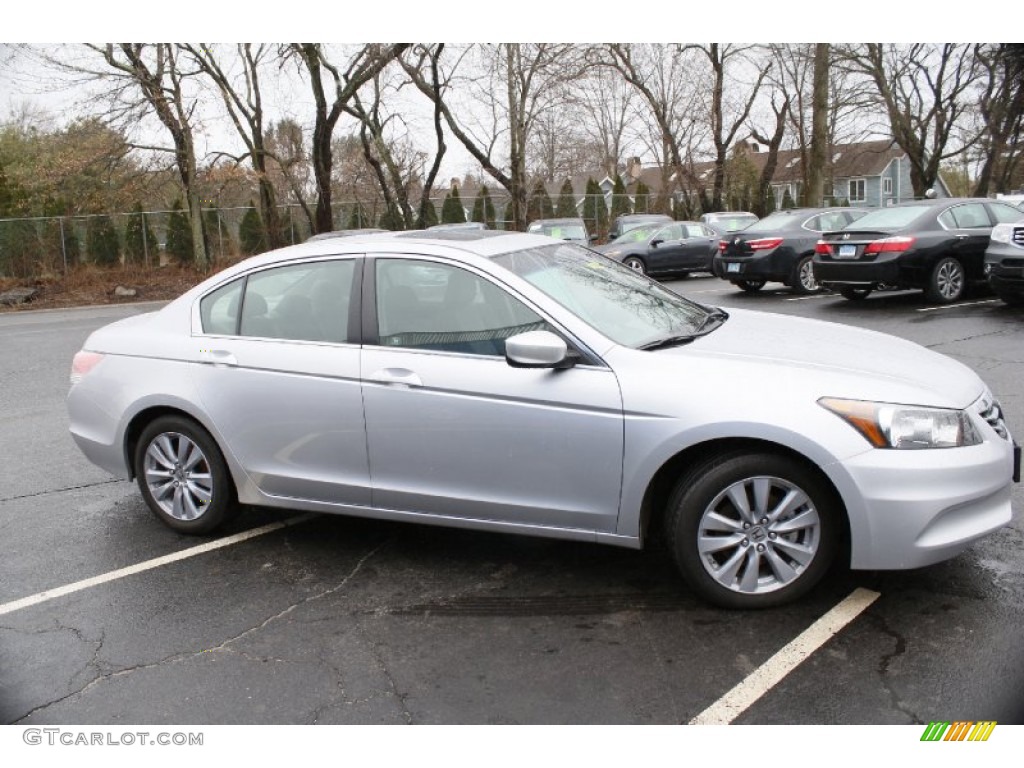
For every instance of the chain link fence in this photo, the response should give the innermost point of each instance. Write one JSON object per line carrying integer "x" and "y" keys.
{"x": 49, "y": 247}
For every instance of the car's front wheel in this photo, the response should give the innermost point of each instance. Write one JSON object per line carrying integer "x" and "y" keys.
{"x": 855, "y": 294}
{"x": 752, "y": 530}
{"x": 183, "y": 476}
{"x": 750, "y": 286}
{"x": 636, "y": 264}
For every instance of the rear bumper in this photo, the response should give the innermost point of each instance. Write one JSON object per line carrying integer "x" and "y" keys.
{"x": 857, "y": 272}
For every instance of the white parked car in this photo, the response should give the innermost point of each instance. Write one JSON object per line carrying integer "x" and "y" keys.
{"x": 512, "y": 382}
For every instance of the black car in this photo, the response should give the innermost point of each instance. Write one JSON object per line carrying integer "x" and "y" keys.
{"x": 934, "y": 245}
{"x": 779, "y": 248}
{"x": 628, "y": 221}
{"x": 1004, "y": 262}
{"x": 676, "y": 248}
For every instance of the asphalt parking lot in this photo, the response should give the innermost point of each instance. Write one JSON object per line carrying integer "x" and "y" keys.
{"x": 316, "y": 619}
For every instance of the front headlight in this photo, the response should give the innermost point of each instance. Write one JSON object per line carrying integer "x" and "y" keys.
{"x": 887, "y": 425}
{"x": 1001, "y": 233}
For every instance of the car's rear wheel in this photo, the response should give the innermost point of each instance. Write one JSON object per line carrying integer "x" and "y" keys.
{"x": 183, "y": 476}
{"x": 947, "y": 281}
{"x": 855, "y": 294}
{"x": 803, "y": 281}
{"x": 636, "y": 264}
{"x": 752, "y": 530}
{"x": 750, "y": 286}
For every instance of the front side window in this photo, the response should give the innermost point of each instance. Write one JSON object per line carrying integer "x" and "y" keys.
{"x": 428, "y": 305}
{"x": 299, "y": 302}
{"x": 858, "y": 190}
{"x": 1005, "y": 214}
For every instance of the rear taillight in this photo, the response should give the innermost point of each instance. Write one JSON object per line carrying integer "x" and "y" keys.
{"x": 722, "y": 245}
{"x": 765, "y": 243}
{"x": 889, "y": 245}
{"x": 822, "y": 248}
{"x": 82, "y": 364}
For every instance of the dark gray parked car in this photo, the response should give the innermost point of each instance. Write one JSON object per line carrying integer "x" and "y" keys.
{"x": 1004, "y": 262}
{"x": 676, "y": 248}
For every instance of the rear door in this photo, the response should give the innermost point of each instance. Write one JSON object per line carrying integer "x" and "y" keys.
{"x": 280, "y": 379}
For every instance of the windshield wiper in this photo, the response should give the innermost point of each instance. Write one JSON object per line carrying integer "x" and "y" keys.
{"x": 714, "y": 313}
{"x": 712, "y": 320}
{"x": 670, "y": 341}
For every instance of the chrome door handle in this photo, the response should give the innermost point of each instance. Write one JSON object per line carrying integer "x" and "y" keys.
{"x": 219, "y": 357}
{"x": 400, "y": 376}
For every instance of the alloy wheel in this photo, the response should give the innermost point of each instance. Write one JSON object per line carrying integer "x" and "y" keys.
{"x": 178, "y": 476}
{"x": 758, "y": 535}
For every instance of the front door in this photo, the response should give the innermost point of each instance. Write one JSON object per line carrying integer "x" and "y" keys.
{"x": 453, "y": 430}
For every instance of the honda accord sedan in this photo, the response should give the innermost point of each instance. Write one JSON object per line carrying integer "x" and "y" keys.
{"x": 517, "y": 383}
{"x": 934, "y": 245}
{"x": 779, "y": 247}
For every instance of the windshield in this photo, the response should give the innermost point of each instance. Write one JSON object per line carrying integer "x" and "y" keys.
{"x": 638, "y": 234}
{"x": 563, "y": 231}
{"x": 890, "y": 218}
{"x": 730, "y": 223}
{"x": 626, "y": 307}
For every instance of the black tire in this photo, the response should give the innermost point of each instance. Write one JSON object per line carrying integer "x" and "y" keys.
{"x": 183, "y": 476}
{"x": 855, "y": 294}
{"x": 636, "y": 264}
{"x": 1011, "y": 299}
{"x": 774, "y": 562}
{"x": 750, "y": 286}
{"x": 947, "y": 282}
{"x": 802, "y": 280}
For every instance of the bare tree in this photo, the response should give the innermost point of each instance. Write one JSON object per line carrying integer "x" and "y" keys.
{"x": 773, "y": 143}
{"x": 157, "y": 74}
{"x": 728, "y": 112}
{"x": 814, "y": 173}
{"x": 924, "y": 89}
{"x": 515, "y": 84}
{"x": 1001, "y": 109}
{"x": 662, "y": 76}
{"x": 360, "y": 67}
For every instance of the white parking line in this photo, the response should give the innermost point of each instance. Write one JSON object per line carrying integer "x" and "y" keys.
{"x": 815, "y": 296}
{"x": 78, "y": 586}
{"x": 764, "y": 678}
{"x": 955, "y": 306}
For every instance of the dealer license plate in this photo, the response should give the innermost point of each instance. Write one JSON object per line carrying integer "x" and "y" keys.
{"x": 847, "y": 251}
{"x": 734, "y": 267}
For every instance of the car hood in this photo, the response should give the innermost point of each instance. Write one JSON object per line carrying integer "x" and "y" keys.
{"x": 839, "y": 360}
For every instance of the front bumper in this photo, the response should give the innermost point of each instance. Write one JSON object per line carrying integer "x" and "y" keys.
{"x": 914, "y": 508}
{"x": 1004, "y": 268}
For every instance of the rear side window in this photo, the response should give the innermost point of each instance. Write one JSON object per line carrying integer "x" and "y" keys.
{"x": 299, "y": 302}
{"x": 970, "y": 216}
{"x": 219, "y": 309}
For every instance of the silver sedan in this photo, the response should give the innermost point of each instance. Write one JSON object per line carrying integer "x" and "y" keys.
{"x": 512, "y": 382}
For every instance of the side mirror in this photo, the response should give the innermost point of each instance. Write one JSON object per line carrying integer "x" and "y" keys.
{"x": 538, "y": 349}
{"x": 656, "y": 243}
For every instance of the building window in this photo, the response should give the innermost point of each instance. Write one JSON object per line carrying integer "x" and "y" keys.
{"x": 887, "y": 185}
{"x": 858, "y": 190}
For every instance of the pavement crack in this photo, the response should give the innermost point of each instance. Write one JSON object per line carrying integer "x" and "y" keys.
{"x": 885, "y": 663}
{"x": 304, "y": 601}
{"x": 61, "y": 490}
{"x": 186, "y": 656}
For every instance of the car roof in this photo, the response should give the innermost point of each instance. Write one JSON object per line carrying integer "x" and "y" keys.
{"x": 566, "y": 220}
